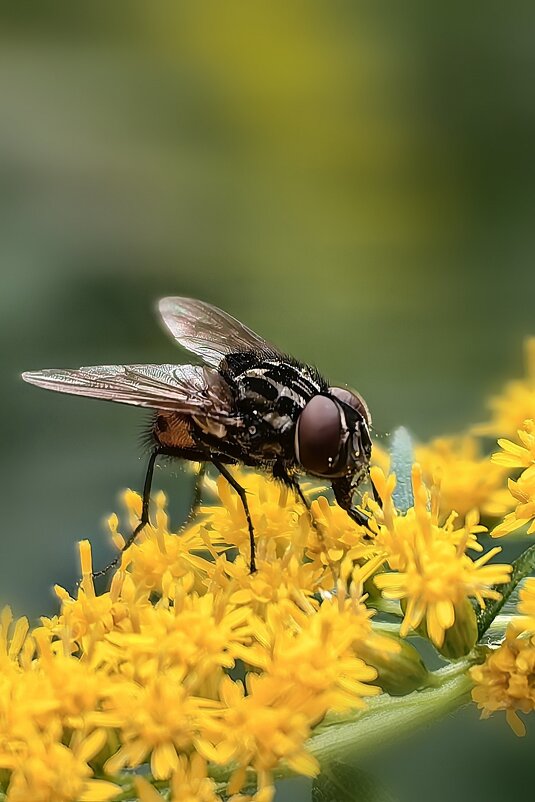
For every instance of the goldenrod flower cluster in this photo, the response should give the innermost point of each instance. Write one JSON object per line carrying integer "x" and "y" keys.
{"x": 144, "y": 673}
{"x": 506, "y": 680}
{"x": 469, "y": 479}
{"x": 431, "y": 571}
{"x": 191, "y": 678}
{"x": 519, "y": 455}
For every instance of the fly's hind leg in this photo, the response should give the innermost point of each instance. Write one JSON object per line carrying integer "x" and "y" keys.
{"x": 243, "y": 498}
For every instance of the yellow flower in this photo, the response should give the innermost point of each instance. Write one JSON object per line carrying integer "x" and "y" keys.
{"x": 516, "y": 403}
{"x": 85, "y": 619}
{"x": 140, "y": 673}
{"x": 200, "y": 634}
{"x": 77, "y": 688}
{"x": 28, "y": 706}
{"x": 189, "y": 783}
{"x": 277, "y": 515}
{"x": 274, "y": 581}
{"x": 160, "y": 720}
{"x": 467, "y": 479}
{"x": 52, "y": 772}
{"x": 315, "y": 656}
{"x": 431, "y": 573}
{"x": 399, "y": 532}
{"x": 282, "y": 525}
{"x": 506, "y": 680}
{"x": 340, "y": 539}
{"x": 514, "y": 455}
{"x": 16, "y": 647}
{"x": 522, "y": 490}
{"x": 158, "y": 556}
{"x": 260, "y": 730}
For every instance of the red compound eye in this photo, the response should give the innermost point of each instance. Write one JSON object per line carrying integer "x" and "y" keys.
{"x": 352, "y": 399}
{"x": 318, "y": 436}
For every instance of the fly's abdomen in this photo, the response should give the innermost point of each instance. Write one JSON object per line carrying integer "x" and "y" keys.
{"x": 173, "y": 430}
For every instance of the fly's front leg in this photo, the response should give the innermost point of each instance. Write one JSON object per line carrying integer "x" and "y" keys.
{"x": 144, "y": 520}
{"x": 243, "y": 498}
{"x": 280, "y": 472}
{"x": 376, "y": 497}
{"x": 343, "y": 493}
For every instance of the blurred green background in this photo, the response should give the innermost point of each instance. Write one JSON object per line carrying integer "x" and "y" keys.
{"x": 353, "y": 180}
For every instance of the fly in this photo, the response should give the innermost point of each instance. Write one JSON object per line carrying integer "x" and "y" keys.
{"x": 247, "y": 404}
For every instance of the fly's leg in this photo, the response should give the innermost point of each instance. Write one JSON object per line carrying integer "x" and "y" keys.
{"x": 296, "y": 487}
{"x": 376, "y": 497}
{"x": 197, "y": 493}
{"x": 143, "y": 521}
{"x": 243, "y": 498}
{"x": 343, "y": 493}
{"x": 281, "y": 473}
{"x": 360, "y": 518}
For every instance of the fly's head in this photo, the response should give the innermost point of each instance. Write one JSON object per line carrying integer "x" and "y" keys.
{"x": 332, "y": 435}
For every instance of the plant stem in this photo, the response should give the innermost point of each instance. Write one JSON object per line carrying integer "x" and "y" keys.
{"x": 387, "y": 717}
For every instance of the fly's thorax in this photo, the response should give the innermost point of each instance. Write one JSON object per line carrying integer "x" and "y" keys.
{"x": 271, "y": 394}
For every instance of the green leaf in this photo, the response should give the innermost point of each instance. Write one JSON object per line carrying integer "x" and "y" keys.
{"x": 342, "y": 782}
{"x": 402, "y": 458}
{"x": 523, "y": 566}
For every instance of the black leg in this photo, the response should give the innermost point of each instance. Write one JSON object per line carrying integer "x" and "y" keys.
{"x": 243, "y": 498}
{"x": 343, "y": 493}
{"x": 294, "y": 484}
{"x": 360, "y": 518}
{"x": 281, "y": 473}
{"x": 296, "y": 487}
{"x": 144, "y": 514}
{"x": 376, "y": 497}
{"x": 197, "y": 493}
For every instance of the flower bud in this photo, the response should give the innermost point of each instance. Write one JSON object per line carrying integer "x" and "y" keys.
{"x": 400, "y": 669}
{"x": 461, "y": 638}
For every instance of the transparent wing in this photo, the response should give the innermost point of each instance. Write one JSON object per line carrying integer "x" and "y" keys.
{"x": 209, "y": 332}
{"x": 178, "y": 388}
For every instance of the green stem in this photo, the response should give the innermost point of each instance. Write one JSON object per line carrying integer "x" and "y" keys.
{"x": 388, "y": 717}
{"x": 129, "y": 793}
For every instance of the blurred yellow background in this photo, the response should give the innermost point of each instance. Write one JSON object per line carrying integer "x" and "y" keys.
{"x": 353, "y": 180}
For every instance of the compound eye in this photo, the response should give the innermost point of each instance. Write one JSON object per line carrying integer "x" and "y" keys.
{"x": 318, "y": 435}
{"x": 352, "y": 399}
